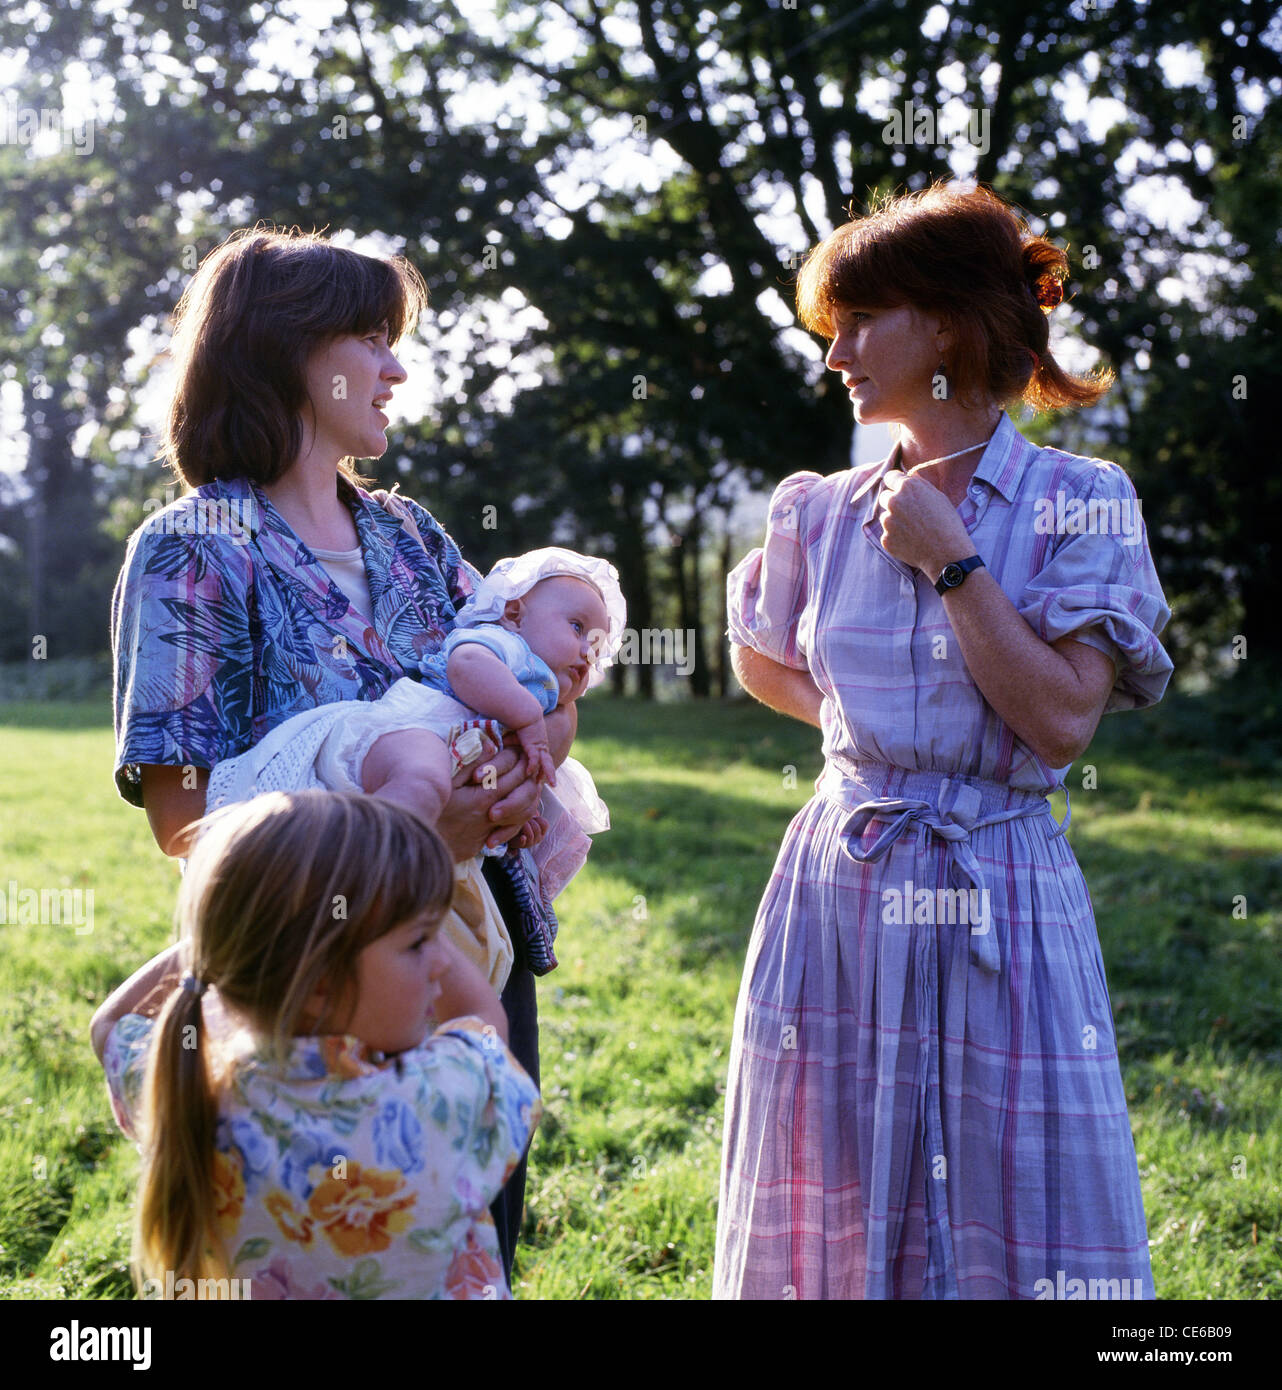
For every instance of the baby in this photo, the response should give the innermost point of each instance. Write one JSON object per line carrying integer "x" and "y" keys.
{"x": 535, "y": 635}
{"x": 538, "y": 632}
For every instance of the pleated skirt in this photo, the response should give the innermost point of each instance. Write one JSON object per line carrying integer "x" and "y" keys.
{"x": 900, "y": 1122}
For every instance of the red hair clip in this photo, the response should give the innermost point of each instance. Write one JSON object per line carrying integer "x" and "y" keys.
{"x": 1049, "y": 293}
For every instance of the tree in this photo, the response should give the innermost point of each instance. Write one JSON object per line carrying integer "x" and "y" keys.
{"x": 641, "y": 176}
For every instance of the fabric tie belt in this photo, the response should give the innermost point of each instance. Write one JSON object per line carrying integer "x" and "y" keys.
{"x": 951, "y": 816}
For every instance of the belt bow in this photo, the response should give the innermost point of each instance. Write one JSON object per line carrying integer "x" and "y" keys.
{"x": 952, "y": 819}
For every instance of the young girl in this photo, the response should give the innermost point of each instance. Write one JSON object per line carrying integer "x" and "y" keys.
{"x": 537, "y": 632}
{"x": 347, "y": 1142}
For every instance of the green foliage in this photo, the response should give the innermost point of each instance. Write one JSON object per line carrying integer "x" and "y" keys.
{"x": 642, "y": 178}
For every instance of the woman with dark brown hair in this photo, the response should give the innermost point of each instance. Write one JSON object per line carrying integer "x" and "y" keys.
{"x": 278, "y": 583}
{"x": 924, "y": 1098}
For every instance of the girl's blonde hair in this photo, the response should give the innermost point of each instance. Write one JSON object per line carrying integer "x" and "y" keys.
{"x": 281, "y": 895}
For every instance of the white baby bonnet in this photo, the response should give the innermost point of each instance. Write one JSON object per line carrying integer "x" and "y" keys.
{"x": 518, "y": 574}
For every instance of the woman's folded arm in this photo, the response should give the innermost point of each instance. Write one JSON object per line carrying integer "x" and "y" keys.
{"x": 173, "y": 798}
{"x": 782, "y": 688}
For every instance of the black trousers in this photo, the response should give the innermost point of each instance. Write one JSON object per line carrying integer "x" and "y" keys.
{"x": 520, "y": 1003}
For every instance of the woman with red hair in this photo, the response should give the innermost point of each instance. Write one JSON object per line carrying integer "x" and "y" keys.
{"x": 924, "y": 1097}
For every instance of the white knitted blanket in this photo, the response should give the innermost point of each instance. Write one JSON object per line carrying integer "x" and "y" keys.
{"x": 285, "y": 760}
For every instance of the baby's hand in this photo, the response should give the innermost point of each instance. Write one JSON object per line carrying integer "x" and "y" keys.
{"x": 533, "y": 738}
{"x": 531, "y": 833}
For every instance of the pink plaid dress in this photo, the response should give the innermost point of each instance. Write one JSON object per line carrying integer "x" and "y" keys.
{"x": 924, "y": 1098}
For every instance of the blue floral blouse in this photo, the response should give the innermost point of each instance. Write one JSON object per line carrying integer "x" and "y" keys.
{"x": 224, "y": 623}
{"x": 337, "y": 1175}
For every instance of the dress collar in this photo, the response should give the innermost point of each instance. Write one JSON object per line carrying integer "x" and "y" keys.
{"x": 1004, "y": 459}
{"x": 328, "y": 1057}
{"x": 253, "y": 508}
{"x": 999, "y": 466}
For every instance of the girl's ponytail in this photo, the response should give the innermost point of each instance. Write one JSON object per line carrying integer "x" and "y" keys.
{"x": 177, "y": 1216}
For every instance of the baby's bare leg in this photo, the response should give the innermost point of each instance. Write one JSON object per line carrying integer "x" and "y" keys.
{"x": 410, "y": 767}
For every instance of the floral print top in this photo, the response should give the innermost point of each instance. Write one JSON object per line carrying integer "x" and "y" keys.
{"x": 340, "y": 1176}
{"x": 224, "y": 623}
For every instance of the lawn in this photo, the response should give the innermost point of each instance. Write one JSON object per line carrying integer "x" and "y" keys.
{"x": 1180, "y": 840}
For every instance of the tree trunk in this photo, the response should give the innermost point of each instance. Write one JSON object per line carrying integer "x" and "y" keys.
{"x": 700, "y": 681}
{"x": 51, "y": 471}
{"x": 723, "y": 616}
{"x": 634, "y": 576}
{"x": 1262, "y": 601}
{"x": 685, "y": 618}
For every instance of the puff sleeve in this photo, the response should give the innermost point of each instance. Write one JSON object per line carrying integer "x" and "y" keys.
{"x": 124, "y": 1060}
{"x": 182, "y": 653}
{"x": 492, "y": 1105}
{"x": 1100, "y": 586}
{"x": 767, "y": 590}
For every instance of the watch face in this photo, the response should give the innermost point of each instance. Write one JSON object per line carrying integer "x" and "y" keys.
{"x": 952, "y": 576}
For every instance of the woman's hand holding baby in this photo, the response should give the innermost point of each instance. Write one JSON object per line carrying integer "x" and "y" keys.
{"x": 534, "y": 745}
{"x": 492, "y": 812}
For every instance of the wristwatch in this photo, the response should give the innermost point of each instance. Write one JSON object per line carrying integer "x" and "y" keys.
{"x": 953, "y": 575}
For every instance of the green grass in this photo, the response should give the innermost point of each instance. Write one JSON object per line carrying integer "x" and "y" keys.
{"x": 636, "y": 1022}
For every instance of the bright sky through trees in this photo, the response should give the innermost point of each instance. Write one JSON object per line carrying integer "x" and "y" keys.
{"x": 289, "y": 40}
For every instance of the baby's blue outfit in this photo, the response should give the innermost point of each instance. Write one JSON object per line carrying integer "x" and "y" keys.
{"x": 534, "y": 674}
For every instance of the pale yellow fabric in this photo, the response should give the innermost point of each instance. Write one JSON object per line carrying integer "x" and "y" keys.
{"x": 476, "y": 927}
{"x": 347, "y": 569}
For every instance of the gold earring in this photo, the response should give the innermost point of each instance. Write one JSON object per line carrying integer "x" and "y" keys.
{"x": 939, "y": 384}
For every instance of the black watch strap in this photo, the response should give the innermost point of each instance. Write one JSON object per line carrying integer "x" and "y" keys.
{"x": 952, "y": 575}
